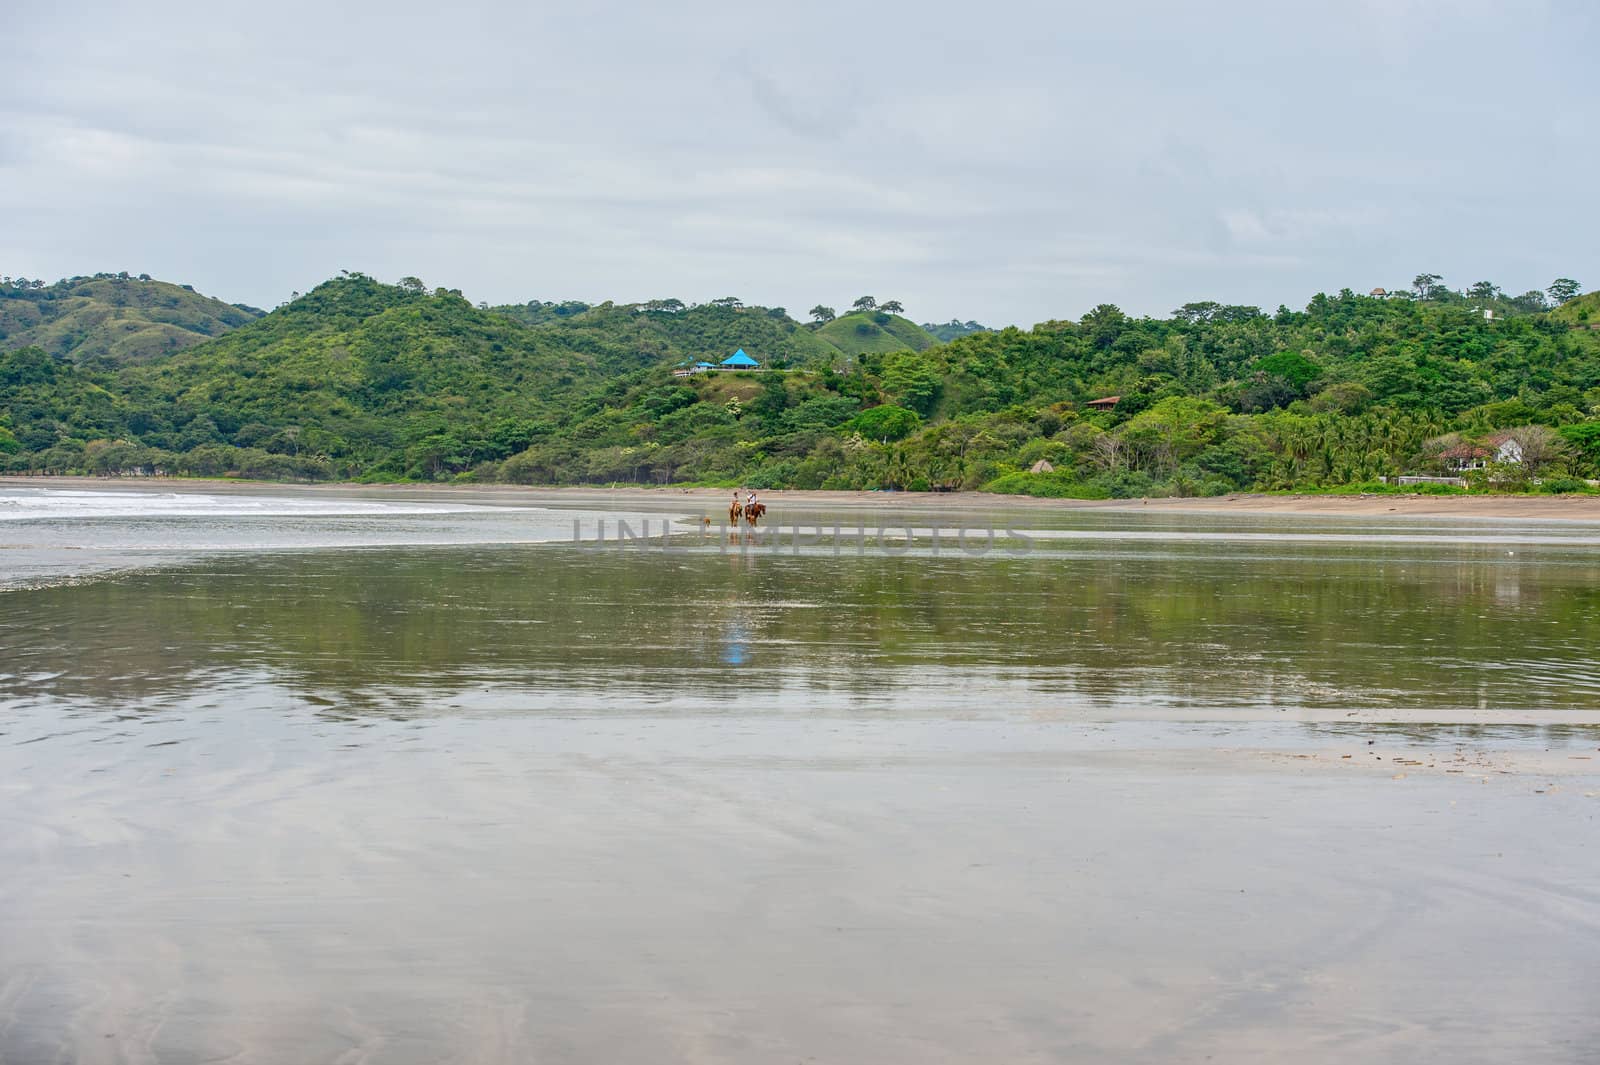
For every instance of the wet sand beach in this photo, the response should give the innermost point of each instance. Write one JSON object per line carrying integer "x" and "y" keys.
{"x": 638, "y": 891}
{"x": 340, "y": 775}
{"x": 1581, "y": 508}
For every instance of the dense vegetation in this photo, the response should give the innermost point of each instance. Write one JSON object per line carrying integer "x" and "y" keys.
{"x": 361, "y": 379}
{"x": 948, "y": 331}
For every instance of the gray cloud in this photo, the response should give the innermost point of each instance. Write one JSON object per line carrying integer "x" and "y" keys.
{"x": 1013, "y": 163}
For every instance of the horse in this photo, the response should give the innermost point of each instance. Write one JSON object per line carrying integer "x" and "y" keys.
{"x": 734, "y": 510}
{"x": 753, "y": 512}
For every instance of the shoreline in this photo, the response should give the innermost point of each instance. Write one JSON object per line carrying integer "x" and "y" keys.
{"x": 1573, "y": 508}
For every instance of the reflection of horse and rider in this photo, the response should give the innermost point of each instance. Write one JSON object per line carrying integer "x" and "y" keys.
{"x": 752, "y": 509}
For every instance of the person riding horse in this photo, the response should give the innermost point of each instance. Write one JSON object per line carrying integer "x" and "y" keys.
{"x": 754, "y": 510}
{"x": 751, "y": 509}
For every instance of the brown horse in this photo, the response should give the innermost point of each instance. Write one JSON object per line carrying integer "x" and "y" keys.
{"x": 753, "y": 512}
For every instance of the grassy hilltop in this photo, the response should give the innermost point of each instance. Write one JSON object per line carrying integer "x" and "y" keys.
{"x": 361, "y": 379}
{"x": 1583, "y": 311}
{"x": 875, "y": 332}
{"x": 112, "y": 317}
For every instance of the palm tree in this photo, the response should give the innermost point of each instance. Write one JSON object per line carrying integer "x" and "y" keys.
{"x": 900, "y": 471}
{"x": 1297, "y": 442}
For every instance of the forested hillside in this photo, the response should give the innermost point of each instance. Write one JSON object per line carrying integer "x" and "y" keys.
{"x": 361, "y": 379}
{"x": 111, "y": 317}
{"x": 668, "y": 331}
{"x": 948, "y": 331}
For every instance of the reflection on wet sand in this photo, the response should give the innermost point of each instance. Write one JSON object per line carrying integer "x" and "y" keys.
{"x": 567, "y": 629}
{"x": 1123, "y": 801}
{"x": 639, "y": 890}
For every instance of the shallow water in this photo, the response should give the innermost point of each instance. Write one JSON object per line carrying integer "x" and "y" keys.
{"x": 385, "y": 776}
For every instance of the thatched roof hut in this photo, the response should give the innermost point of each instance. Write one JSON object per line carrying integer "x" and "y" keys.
{"x": 1042, "y": 466}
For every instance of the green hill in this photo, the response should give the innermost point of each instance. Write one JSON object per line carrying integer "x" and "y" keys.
{"x": 115, "y": 318}
{"x": 875, "y": 332}
{"x": 1582, "y": 311}
{"x": 368, "y": 373}
{"x": 359, "y": 379}
{"x": 707, "y": 331}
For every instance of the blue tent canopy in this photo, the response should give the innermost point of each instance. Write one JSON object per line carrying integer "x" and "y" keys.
{"x": 739, "y": 358}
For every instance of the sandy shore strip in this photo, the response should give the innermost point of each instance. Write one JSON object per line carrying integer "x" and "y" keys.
{"x": 1574, "y": 508}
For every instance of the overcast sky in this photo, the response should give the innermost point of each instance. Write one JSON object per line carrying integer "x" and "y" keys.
{"x": 1001, "y": 161}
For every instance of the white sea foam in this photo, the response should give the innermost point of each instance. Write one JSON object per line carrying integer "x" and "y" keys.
{"x": 51, "y": 536}
{"x": 46, "y": 504}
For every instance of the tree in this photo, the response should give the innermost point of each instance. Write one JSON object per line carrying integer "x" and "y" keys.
{"x": 1174, "y": 431}
{"x": 732, "y": 302}
{"x": 1484, "y": 291}
{"x": 1194, "y": 313}
{"x": 1530, "y": 302}
{"x": 1296, "y": 368}
{"x": 1106, "y": 452}
{"x": 1585, "y": 438}
{"x": 1104, "y": 324}
{"x": 865, "y": 303}
{"x": 1540, "y": 446}
{"x": 1427, "y": 285}
{"x": 413, "y": 284}
{"x": 885, "y": 423}
{"x": 891, "y": 306}
{"x": 911, "y": 378}
{"x": 1563, "y": 289}
{"x": 821, "y": 314}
